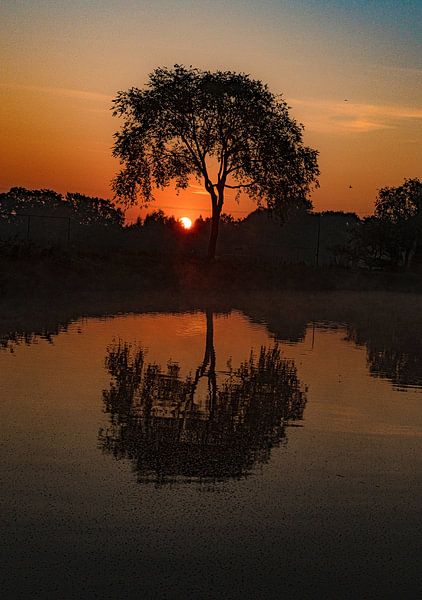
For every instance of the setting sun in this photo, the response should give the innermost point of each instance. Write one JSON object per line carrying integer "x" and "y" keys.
{"x": 185, "y": 222}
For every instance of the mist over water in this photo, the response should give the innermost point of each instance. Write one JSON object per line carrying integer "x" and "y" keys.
{"x": 208, "y": 452}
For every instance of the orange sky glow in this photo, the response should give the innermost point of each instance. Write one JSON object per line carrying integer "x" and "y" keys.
{"x": 353, "y": 78}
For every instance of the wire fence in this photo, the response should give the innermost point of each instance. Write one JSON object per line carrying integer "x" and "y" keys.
{"x": 30, "y": 226}
{"x": 47, "y": 231}
{"x": 310, "y": 244}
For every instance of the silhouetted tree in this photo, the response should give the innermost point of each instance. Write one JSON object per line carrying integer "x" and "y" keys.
{"x": 158, "y": 218}
{"x": 225, "y": 129}
{"x": 19, "y": 200}
{"x": 371, "y": 243}
{"x": 88, "y": 210}
{"x": 85, "y": 210}
{"x": 400, "y": 209}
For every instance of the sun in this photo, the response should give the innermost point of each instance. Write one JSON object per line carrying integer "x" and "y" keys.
{"x": 185, "y": 222}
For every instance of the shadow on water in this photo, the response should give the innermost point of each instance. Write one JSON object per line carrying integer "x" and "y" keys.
{"x": 174, "y": 429}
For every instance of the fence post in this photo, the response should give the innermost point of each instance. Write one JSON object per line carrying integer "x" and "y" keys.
{"x": 68, "y": 232}
{"x": 28, "y": 226}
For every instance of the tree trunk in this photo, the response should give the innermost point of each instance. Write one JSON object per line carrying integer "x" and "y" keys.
{"x": 209, "y": 357}
{"x": 209, "y": 362}
{"x": 212, "y": 244}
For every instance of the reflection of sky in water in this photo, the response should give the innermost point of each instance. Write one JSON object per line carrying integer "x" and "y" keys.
{"x": 190, "y": 325}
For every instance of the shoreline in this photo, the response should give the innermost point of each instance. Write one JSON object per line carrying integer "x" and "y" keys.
{"x": 65, "y": 274}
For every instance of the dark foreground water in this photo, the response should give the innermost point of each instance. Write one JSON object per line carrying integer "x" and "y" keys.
{"x": 255, "y": 453}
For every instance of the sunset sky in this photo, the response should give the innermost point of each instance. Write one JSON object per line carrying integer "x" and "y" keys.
{"x": 63, "y": 62}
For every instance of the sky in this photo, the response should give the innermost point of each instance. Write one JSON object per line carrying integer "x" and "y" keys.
{"x": 351, "y": 71}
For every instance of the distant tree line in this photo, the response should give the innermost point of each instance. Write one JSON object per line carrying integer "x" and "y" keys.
{"x": 85, "y": 210}
{"x": 389, "y": 239}
{"x": 46, "y": 220}
{"x": 392, "y": 236}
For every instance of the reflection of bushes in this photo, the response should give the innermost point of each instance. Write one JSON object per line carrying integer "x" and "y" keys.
{"x": 402, "y": 368}
{"x": 389, "y": 326}
{"x": 157, "y": 422}
{"x": 392, "y": 353}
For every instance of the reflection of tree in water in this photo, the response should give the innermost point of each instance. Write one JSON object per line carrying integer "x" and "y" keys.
{"x": 10, "y": 340}
{"x": 402, "y": 368}
{"x": 158, "y": 422}
{"x": 392, "y": 353}
{"x": 389, "y": 326}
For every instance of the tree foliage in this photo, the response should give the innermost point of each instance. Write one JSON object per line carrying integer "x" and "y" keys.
{"x": 393, "y": 234}
{"x": 400, "y": 204}
{"x": 90, "y": 210}
{"x": 84, "y": 210}
{"x": 399, "y": 210}
{"x": 223, "y": 128}
{"x": 19, "y": 200}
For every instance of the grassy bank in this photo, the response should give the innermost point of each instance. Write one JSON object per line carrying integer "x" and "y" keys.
{"x": 64, "y": 273}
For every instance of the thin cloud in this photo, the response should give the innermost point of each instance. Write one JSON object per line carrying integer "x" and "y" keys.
{"x": 196, "y": 189}
{"x": 396, "y": 69}
{"x": 63, "y": 92}
{"x": 353, "y": 117}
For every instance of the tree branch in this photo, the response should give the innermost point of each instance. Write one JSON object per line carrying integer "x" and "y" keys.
{"x": 198, "y": 148}
{"x": 241, "y": 185}
{"x": 233, "y": 169}
{"x": 199, "y": 162}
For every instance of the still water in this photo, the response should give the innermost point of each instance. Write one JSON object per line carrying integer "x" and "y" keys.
{"x": 268, "y": 451}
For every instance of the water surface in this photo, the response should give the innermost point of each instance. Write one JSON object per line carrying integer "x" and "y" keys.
{"x": 261, "y": 452}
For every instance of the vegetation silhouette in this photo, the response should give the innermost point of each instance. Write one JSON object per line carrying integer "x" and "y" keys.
{"x": 400, "y": 211}
{"x": 84, "y": 210}
{"x": 253, "y": 251}
{"x": 223, "y": 128}
{"x": 159, "y": 421}
{"x": 46, "y": 219}
{"x": 34, "y": 221}
{"x": 392, "y": 236}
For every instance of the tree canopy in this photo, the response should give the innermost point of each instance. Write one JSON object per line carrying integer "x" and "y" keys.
{"x": 400, "y": 211}
{"x": 84, "y": 210}
{"x": 225, "y": 129}
{"x": 400, "y": 203}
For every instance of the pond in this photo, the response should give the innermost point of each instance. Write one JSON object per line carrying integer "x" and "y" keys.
{"x": 264, "y": 448}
